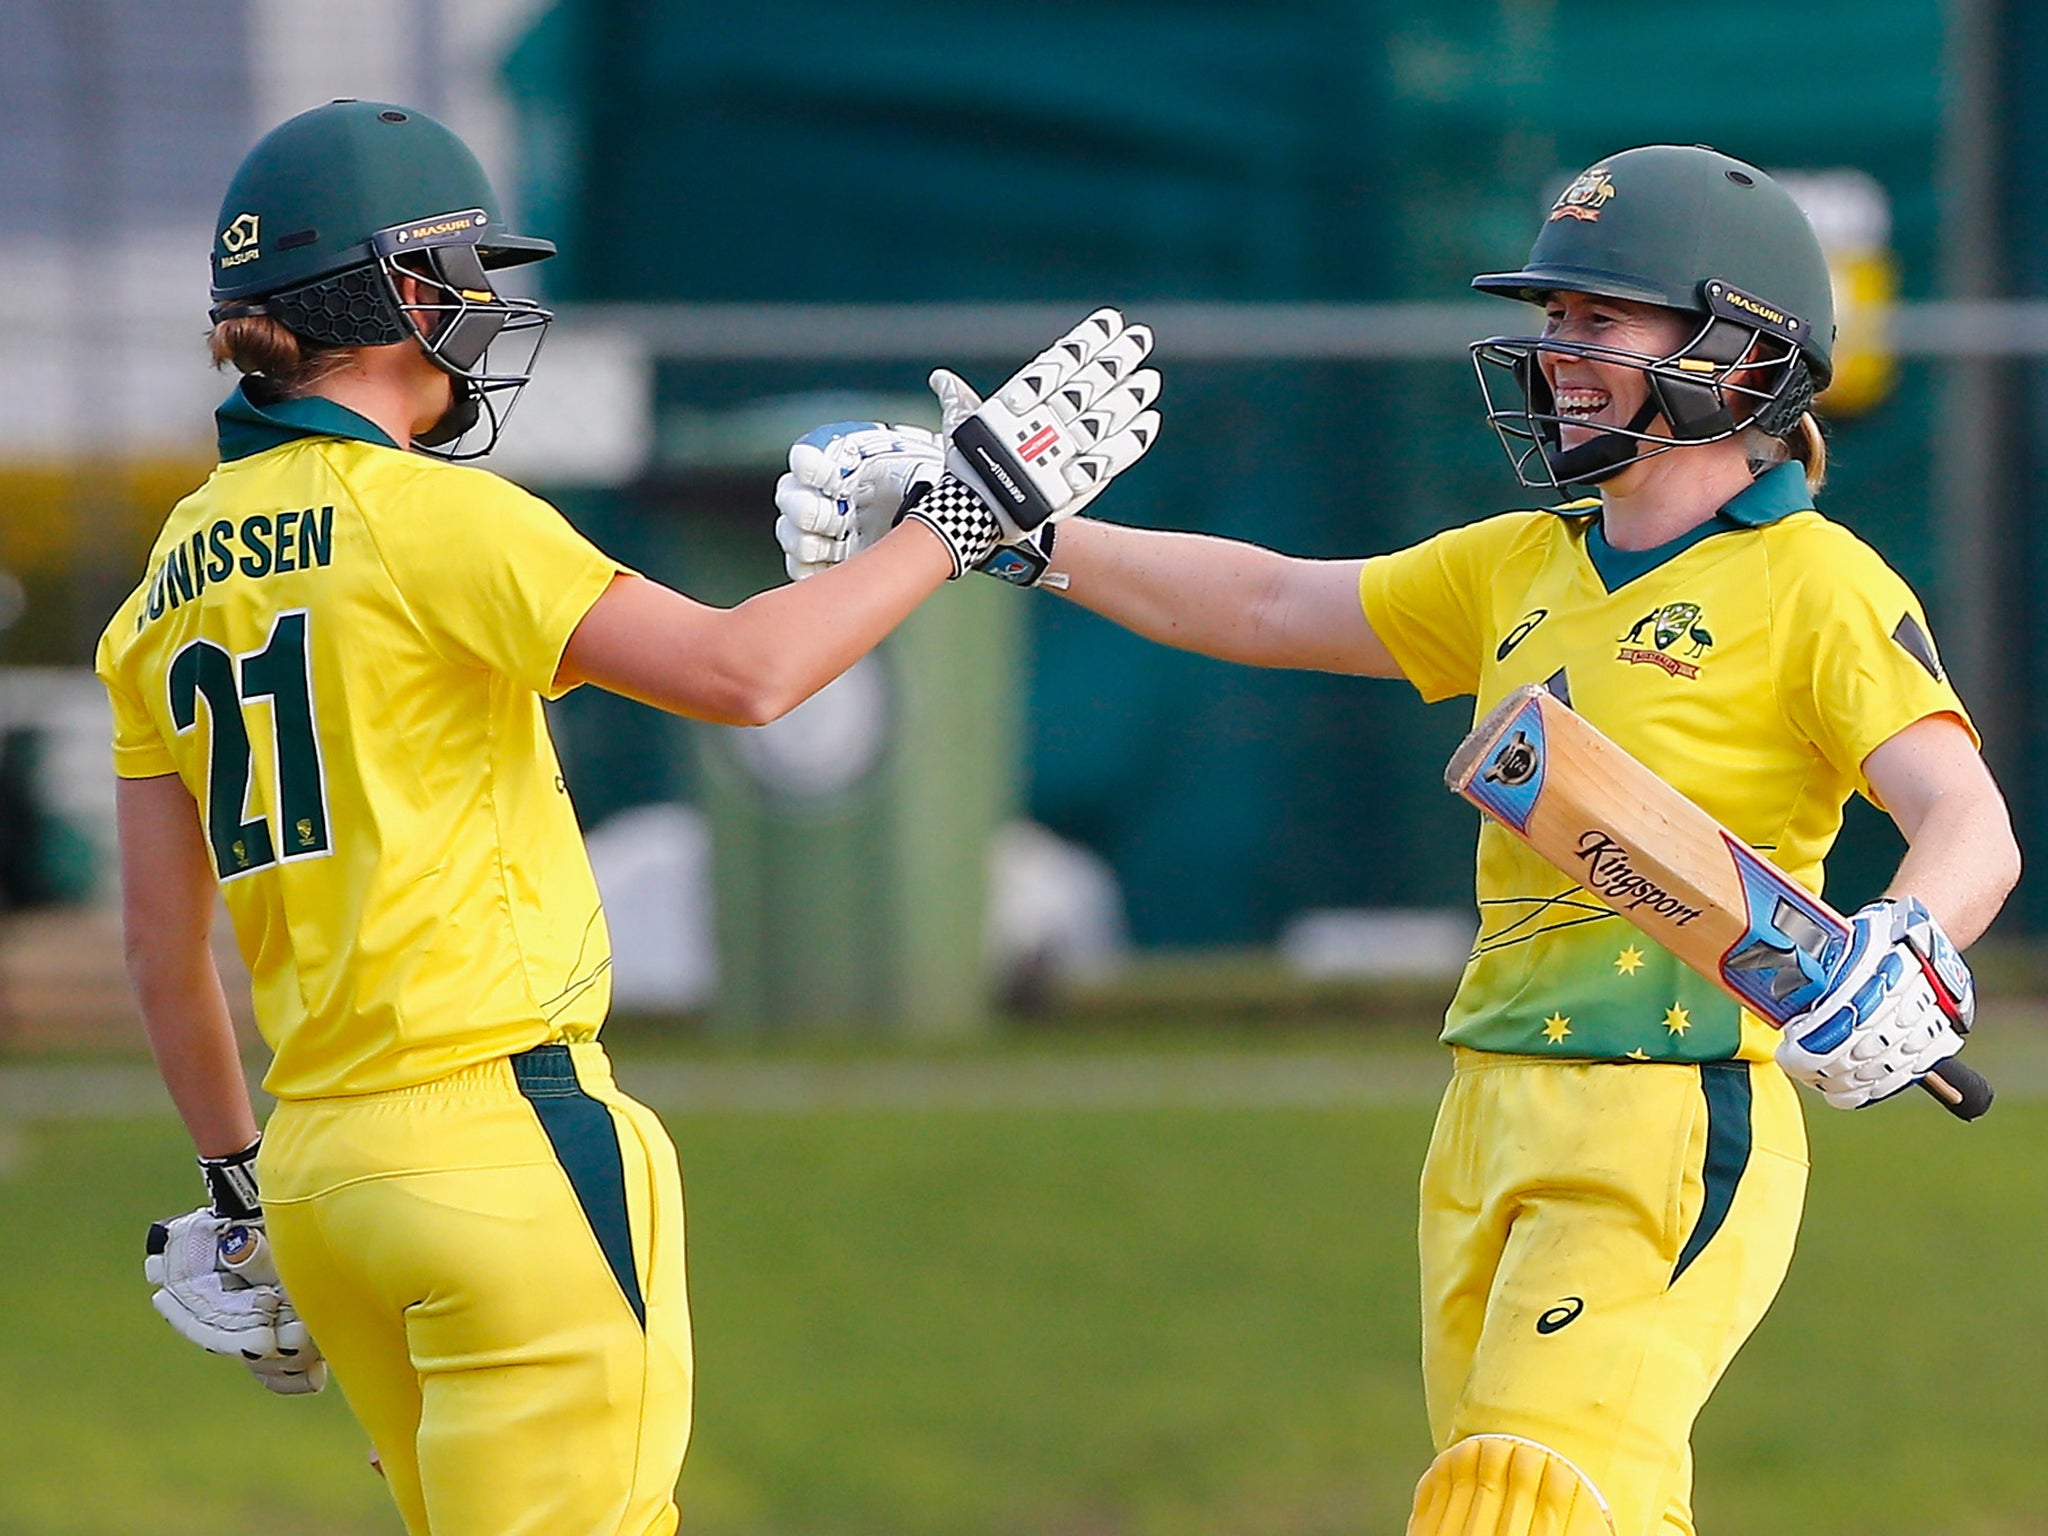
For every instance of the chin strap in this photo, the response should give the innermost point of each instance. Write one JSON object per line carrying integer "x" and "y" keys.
{"x": 1601, "y": 457}
{"x": 463, "y": 407}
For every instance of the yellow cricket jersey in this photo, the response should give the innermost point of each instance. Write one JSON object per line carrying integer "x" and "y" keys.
{"x": 1753, "y": 664}
{"x": 342, "y": 649}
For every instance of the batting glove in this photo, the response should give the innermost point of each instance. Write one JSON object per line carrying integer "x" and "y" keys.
{"x": 1060, "y": 429}
{"x": 1899, "y": 1005}
{"x": 850, "y": 482}
{"x": 846, "y": 487}
{"x": 217, "y": 1285}
{"x": 996, "y": 477}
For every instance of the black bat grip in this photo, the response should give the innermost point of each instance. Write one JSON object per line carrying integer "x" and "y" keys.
{"x": 1959, "y": 1089}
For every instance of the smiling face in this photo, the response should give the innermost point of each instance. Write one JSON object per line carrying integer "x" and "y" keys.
{"x": 1598, "y": 393}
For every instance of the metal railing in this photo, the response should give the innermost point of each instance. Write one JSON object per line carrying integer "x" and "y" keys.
{"x": 1209, "y": 332}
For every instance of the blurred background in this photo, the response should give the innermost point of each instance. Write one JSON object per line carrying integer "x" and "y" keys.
{"x": 1061, "y": 1178}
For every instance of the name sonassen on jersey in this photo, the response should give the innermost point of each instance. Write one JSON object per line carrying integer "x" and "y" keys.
{"x": 1609, "y": 874}
{"x": 262, "y": 544}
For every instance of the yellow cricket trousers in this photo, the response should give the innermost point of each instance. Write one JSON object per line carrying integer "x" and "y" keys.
{"x": 1598, "y": 1240}
{"x": 493, "y": 1265}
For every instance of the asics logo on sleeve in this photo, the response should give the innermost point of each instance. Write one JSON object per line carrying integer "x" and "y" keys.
{"x": 1564, "y": 1312}
{"x": 1520, "y": 632}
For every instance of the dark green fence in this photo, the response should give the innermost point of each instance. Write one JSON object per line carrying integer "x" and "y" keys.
{"x": 881, "y": 150}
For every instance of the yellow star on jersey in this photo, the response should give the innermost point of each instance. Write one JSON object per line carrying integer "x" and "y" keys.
{"x": 1639, "y": 1054}
{"x": 1677, "y": 1020}
{"x": 1629, "y": 961}
{"x": 1556, "y": 1027}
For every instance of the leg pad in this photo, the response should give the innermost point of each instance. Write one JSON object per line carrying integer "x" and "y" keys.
{"x": 1503, "y": 1485}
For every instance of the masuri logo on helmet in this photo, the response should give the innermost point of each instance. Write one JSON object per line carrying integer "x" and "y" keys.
{"x": 239, "y": 240}
{"x": 367, "y": 193}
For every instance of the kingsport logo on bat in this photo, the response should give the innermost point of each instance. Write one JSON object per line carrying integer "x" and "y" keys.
{"x": 1611, "y": 874}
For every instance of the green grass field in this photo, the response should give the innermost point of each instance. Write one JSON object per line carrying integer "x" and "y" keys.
{"x": 1088, "y": 1322}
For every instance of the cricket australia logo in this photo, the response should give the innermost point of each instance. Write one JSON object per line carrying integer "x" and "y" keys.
{"x": 1676, "y": 640}
{"x": 1584, "y": 198}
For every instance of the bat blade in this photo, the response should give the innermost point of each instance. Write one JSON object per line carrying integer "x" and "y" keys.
{"x": 1639, "y": 846}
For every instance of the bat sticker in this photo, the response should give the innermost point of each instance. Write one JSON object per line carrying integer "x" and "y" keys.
{"x": 1792, "y": 947}
{"x": 1510, "y": 780}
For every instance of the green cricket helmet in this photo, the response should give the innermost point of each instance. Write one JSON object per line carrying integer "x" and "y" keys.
{"x": 1692, "y": 230}
{"x": 333, "y": 206}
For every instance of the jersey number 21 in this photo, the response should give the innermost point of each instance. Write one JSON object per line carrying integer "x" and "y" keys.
{"x": 279, "y": 673}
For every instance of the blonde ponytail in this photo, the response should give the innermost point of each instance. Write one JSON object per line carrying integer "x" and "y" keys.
{"x": 1810, "y": 448}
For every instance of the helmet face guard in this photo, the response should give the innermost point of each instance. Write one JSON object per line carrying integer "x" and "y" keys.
{"x": 1729, "y": 376}
{"x": 458, "y": 324}
{"x": 459, "y": 327}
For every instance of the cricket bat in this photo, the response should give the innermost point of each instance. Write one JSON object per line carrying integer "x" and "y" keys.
{"x": 1642, "y": 848}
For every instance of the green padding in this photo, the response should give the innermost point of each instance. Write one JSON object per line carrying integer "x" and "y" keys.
{"x": 587, "y": 1146}
{"x": 1726, "y": 1085}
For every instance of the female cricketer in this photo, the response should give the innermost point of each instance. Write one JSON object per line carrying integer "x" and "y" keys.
{"x": 1614, "y": 1185}
{"x": 327, "y": 707}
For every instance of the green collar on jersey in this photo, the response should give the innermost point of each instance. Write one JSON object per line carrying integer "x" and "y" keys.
{"x": 1775, "y": 494}
{"x": 247, "y": 428}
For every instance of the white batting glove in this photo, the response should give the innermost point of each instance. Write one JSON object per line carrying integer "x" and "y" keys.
{"x": 850, "y": 482}
{"x": 1899, "y": 1006}
{"x": 217, "y": 1285}
{"x": 1000, "y": 472}
{"x": 1060, "y": 429}
{"x": 847, "y": 482}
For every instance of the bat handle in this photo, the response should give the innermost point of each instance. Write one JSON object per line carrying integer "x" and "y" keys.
{"x": 1959, "y": 1089}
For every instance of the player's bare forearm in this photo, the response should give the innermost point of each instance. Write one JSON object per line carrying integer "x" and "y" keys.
{"x": 1962, "y": 862}
{"x": 167, "y": 902}
{"x": 1961, "y": 858}
{"x": 185, "y": 1013}
{"x": 1234, "y": 601}
{"x": 756, "y": 662}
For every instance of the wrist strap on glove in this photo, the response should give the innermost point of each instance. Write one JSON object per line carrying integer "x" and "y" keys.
{"x": 231, "y": 1184}
{"x": 1027, "y": 562}
{"x": 957, "y": 514}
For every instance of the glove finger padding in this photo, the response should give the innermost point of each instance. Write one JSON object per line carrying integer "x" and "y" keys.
{"x": 1117, "y": 453}
{"x": 1116, "y": 408}
{"x": 847, "y": 481}
{"x": 217, "y": 1285}
{"x": 1892, "y": 1013}
{"x": 1058, "y": 430}
{"x": 806, "y": 554}
{"x": 200, "y": 1296}
{"x": 237, "y": 1323}
{"x": 296, "y": 1367}
{"x": 957, "y": 399}
{"x": 810, "y": 510}
{"x": 1092, "y": 356}
{"x": 289, "y": 1380}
